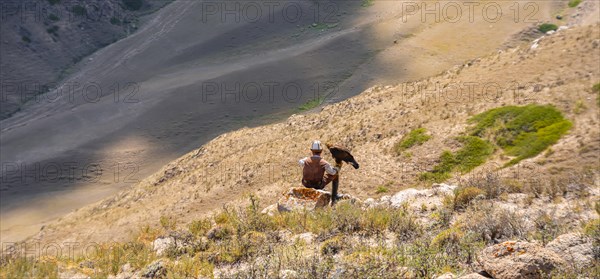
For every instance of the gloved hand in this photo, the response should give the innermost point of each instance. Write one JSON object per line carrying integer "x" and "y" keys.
{"x": 337, "y": 167}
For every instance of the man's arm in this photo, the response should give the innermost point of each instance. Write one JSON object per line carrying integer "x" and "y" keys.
{"x": 330, "y": 170}
{"x": 301, "y": 162}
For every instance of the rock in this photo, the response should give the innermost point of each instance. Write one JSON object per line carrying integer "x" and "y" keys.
{"x": 300, "y": 198}
{"x": 270, "y": 210}
{"x": 219, "y": 232}
{"x": 550, "y": 32}
{"x": 126, "y": 272}
{"x": 518, "y": 259}
{"x": 308, "y": 237}
{"x": 447, "y": 275}
{"x": 405, "y": 195}
{"x": 473, "y": 276}
{"x": 288, "y": 274}
{"x": 408, "y": 195}
{"x": 162, "y": 244}
{"x": 156, "y": 269}
{"x": 370, "y": 203}
{"x": 575, "y": 248}
{"x": 559, "y": 17}
{"x": 443, "y": 189}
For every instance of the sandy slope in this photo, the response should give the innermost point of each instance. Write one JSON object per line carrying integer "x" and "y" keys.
{"x": 175, "y": 54}
{"x": 262, "y": 160}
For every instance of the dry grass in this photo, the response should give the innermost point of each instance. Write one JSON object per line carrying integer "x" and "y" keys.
{"x": 232, "y": 166}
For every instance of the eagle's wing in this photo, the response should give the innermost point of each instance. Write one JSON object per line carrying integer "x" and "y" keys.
{"x": 340, "y": 153}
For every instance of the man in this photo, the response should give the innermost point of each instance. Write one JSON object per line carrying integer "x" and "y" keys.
{"x": 317, "y": 172}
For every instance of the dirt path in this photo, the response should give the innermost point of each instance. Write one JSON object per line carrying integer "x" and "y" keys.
{"x": 174, "y": 79}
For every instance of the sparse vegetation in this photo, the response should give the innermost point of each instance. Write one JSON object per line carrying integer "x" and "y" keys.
{"x": 53, "y": 30}
{"x": 463, "y": 196}
{"x": 474, "y": 152}
{"x": 360, "y": 242}
{"x": 414, "y": 138}
{"x": 53, "y": 2}
{"x": 523, "y": 132}
{"x": 545, "y": 27}
{"x": 366, "y": 3}
{"x": 596, "y": 89}
{"x": 115, "y": 21}
{"x": 133, "y": 5}
{"x": 311, "y": 104}
{"x": 381, "y": 189}
{"x": 53, "y": 17}
{"x": 79, "y": 10}
{"x": 574, "y": 3}
{"x": 579, "y": 107}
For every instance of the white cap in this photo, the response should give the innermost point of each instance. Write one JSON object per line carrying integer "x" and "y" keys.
{"x": 316, "y": 146}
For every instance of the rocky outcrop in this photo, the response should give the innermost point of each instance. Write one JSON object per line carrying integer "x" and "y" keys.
{"x": 519, "y": 259}
{"x": 575, "y": 248}
{"x": 414, "y": 197}
{"x": 298, "y": 198}
{"x": 156, "y": 269}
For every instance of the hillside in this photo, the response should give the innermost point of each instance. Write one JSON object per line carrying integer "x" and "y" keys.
{"x": 512, "y": 135}
{"x": 262, "y": 160}
{"x": 43, "y": 40}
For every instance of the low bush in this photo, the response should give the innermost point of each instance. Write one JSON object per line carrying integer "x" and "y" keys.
{"x": 464, "y": 196}
{"x": 545, "y": 27}
{"x": 414, "y": 138}
{"x": 474, "y": 152}
{"x": 574, "y": 3}
{"x": 522, "y": 132}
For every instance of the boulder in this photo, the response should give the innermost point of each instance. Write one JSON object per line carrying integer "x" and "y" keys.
{"x": 307, "y": 237}
{"x": 162, "y": 244}
{"x": 518, "y": 259}
{"x": 575, "y": 248}
{"x": 473, "y": 276}
{"x": 270, "y": 210}
{"x": 156, "y": 269}
{"x": 177, "y": 242}
{"x": 299, "y": 198}
{"x": 447, "y": 275}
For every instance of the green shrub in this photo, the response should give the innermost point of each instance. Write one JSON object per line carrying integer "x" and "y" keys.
{"x": 26, "y": 39}
{"x": 463, "y": 196}
{"x": 596, "y": 88}
{"x": 381, "y": 189}
{"x": 523, "y": 132}
{"x": 53, "y": 17}
{"x": 200, "y": 227}
{"x": 592, "y": 228}
{"x": 115, "y": 21}
{"x": 366, "y": 3}
{"x": 53, "y": 30}
{"x": 415, "y": 137}
{"x": 474, "y": 152}
{"x": 167, "y": 223}
{"x": 133, "y": 5}
{"x": 311, "y": 104}
{"x": 332, "y": 246}
{"x": 53, "y": 2}
{"x": 574, "y": 3}
{"x": 79, "y": 10}
{"x": 547, "y": 27}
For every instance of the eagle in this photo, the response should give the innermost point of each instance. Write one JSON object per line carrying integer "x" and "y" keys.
{"x": 340, "y": 154}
